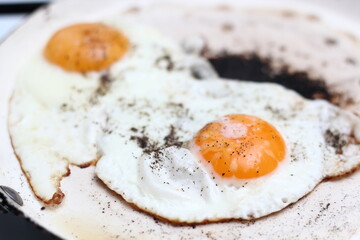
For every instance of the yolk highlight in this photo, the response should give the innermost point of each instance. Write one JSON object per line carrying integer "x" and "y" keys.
{"x": 86, "y": 47}
{"x": 240, "y": 146}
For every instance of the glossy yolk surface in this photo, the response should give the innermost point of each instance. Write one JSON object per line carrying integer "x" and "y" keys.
{"x": 86, "y": 47}
{"x": 240, "y": 146}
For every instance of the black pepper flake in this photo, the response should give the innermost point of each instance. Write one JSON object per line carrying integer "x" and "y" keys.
{"x": 104, "y": 84}
{"x": 322, "y": 211}
{"x": 227, "y": 27}
{"x": 350, "y": 61}
{"x": 167, "y": 59}
{"x": 133, "y": 129}
{"x": 171, "y": 139}
{"x": 336, "y": 140}
{"x": 330, "y": 41}
{"x": 142, "y": 141}
{"x": 64, "y": 106}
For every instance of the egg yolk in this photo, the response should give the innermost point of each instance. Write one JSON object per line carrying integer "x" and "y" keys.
{"x": 240, "y": 146}
{"x": 86, "y": 47}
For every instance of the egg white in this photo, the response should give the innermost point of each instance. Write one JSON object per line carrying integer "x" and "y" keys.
{"x": 140, "y": 164}
{"x": 55, "y": 116}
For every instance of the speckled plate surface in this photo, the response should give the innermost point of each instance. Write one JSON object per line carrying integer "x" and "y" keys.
{"x": 320, "y": 38}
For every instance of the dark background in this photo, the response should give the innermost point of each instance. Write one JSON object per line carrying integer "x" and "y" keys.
{"x": 18, "y": 228}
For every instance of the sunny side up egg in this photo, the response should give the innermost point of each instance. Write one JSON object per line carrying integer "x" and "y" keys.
{"x": 55, "y": 112}
{"x": 198, "y": 151}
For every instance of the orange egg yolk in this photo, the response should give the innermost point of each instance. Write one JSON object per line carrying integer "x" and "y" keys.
{"x": 240, "y": 146}
{"x": 86, "y": 47}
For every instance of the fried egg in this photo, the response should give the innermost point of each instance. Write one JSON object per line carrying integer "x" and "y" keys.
{"x": 198, "y": 152}
{"x": 56, "y": 112}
